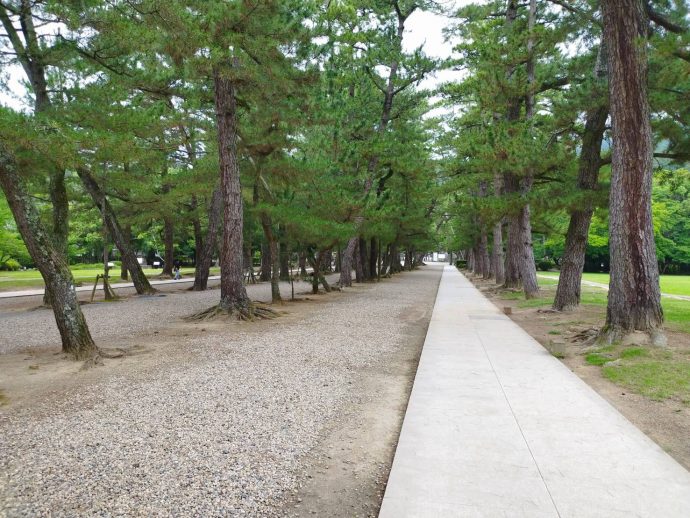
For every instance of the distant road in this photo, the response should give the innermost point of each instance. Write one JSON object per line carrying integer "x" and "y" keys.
{"x": 119, "y": 285}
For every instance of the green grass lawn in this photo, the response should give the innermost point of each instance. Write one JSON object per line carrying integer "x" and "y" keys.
{"x": 676, "y": 312}
{"x": 11, "y": 281}
{"x": 671, "y": 284}
{"x": 656, "y": 373}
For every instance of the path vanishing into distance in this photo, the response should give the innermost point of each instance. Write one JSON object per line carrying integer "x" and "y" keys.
{"x": 496, "y": 426}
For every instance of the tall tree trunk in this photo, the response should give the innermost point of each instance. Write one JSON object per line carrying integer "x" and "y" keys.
{"x": 328, "y": 262}
{"x": 364, "y": 259}
{"x": 346, "y": 264}
{"x": 127, "y": 231}
{"x": 514, "y": 242}
{"x": 359, "y": 271}
{"x": 30, "y": 54}
{"x": 497, "y": 255}
{"x": 284, "y": 256}
{"x": 267, "y": 226}
{"x": 528, "y": 267}
{"x": 573, "y": 261}
{"x": 634, "y": 301}
{"x": 205, "y": 254}
{"x": 395, "y": 266}
{"x": 303, "y": 264}
{"x": 266, "y": 261}
{"x": 486, "y": 260}
{"x": 233, "y": 295}
{"x": 169, "y": 245}
{"x": 129, "y": 258}
{"x": 373, "y": 256}
{"x": 75, "y": 335}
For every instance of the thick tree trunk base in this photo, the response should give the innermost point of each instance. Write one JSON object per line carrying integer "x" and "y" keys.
{"x": 610, "y": 335}
{"x": 243, "y": 311}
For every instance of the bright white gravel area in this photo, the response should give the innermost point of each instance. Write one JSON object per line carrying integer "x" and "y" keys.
{"x": 36, "y": 328}
{"x": 224, "y": 434}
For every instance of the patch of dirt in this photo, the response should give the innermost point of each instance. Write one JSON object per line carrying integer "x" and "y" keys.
{"x": 39, "y": 373}
{"x": 665, "y": 422}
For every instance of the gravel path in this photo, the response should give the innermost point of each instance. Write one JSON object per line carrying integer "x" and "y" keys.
{"x": 223, "y": 435}
{"x": 26, "y": 329}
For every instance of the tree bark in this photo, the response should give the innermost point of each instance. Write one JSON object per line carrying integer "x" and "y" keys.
{"x": 346, "y": 265}
{"x": 129, "y": 258}
{"x": 528, "y": 268}
{"x": 205, "y": 253}
{"x": 303, "y": 264}
{"x": 634, "y": 301}
{"x": 359, "y": 271}
{"x": 373, "y": 256}
{"x": 233, "y": 294}
{"x": 284, "y": 256}
{"x": 267, "y": 226}
{"x": 74, "y": 332}
{"x": 266, "y": 262}
{"x": 497, "y": 255}
{"x": 484, "y": 250}
{"x": 573, "y": 261}
{"x": 364, "y": 259}
{"x": 124, "y": 274}
{"x": 169, "y": 245}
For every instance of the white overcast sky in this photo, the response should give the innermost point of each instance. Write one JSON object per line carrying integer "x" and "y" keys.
{"x": 422, "y": 28}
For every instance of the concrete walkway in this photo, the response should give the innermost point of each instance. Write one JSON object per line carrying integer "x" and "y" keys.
{"x": 497, "y": 427}
{"x": 116, "y": 286}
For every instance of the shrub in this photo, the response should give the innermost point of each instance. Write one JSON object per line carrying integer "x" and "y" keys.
{"x": 11, "y": 265}
{"x": 545, "y": 265}
{"x": 461, "y": 264}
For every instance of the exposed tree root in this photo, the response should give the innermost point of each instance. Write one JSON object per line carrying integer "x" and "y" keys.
{"x": 248, "y": 311}
{"x": 610, "y": 335}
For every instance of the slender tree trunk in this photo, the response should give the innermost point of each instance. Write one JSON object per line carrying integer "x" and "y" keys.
{"x": 328, "y": 262}
{"x": 634, "y": 301}
{"x": 74, "y": 332}
{"x": 303, "y": 264}
{"x": 129, "y": 258}
{"x": 267, "y": 226}
{"x": 573, "y": 261}
{"x": 284, "y": 257}
{"x": 169, "y": 244}
{"x": 127, "y": 231}
{"x": 395, "y": 266}
{"x": 373, "y": 254}
{"x": 205, "y": 254}
{"x": 528, "y": 268}
{"x": 497, "y": 256}
{"x": 513, "y": 246}
{"x": 266, "y": 261}
{"x": 486, "y": 260}
{"x": 364, "y": 259}
{"x": 359, "y": 271}
{"x": 346, "y": 265}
